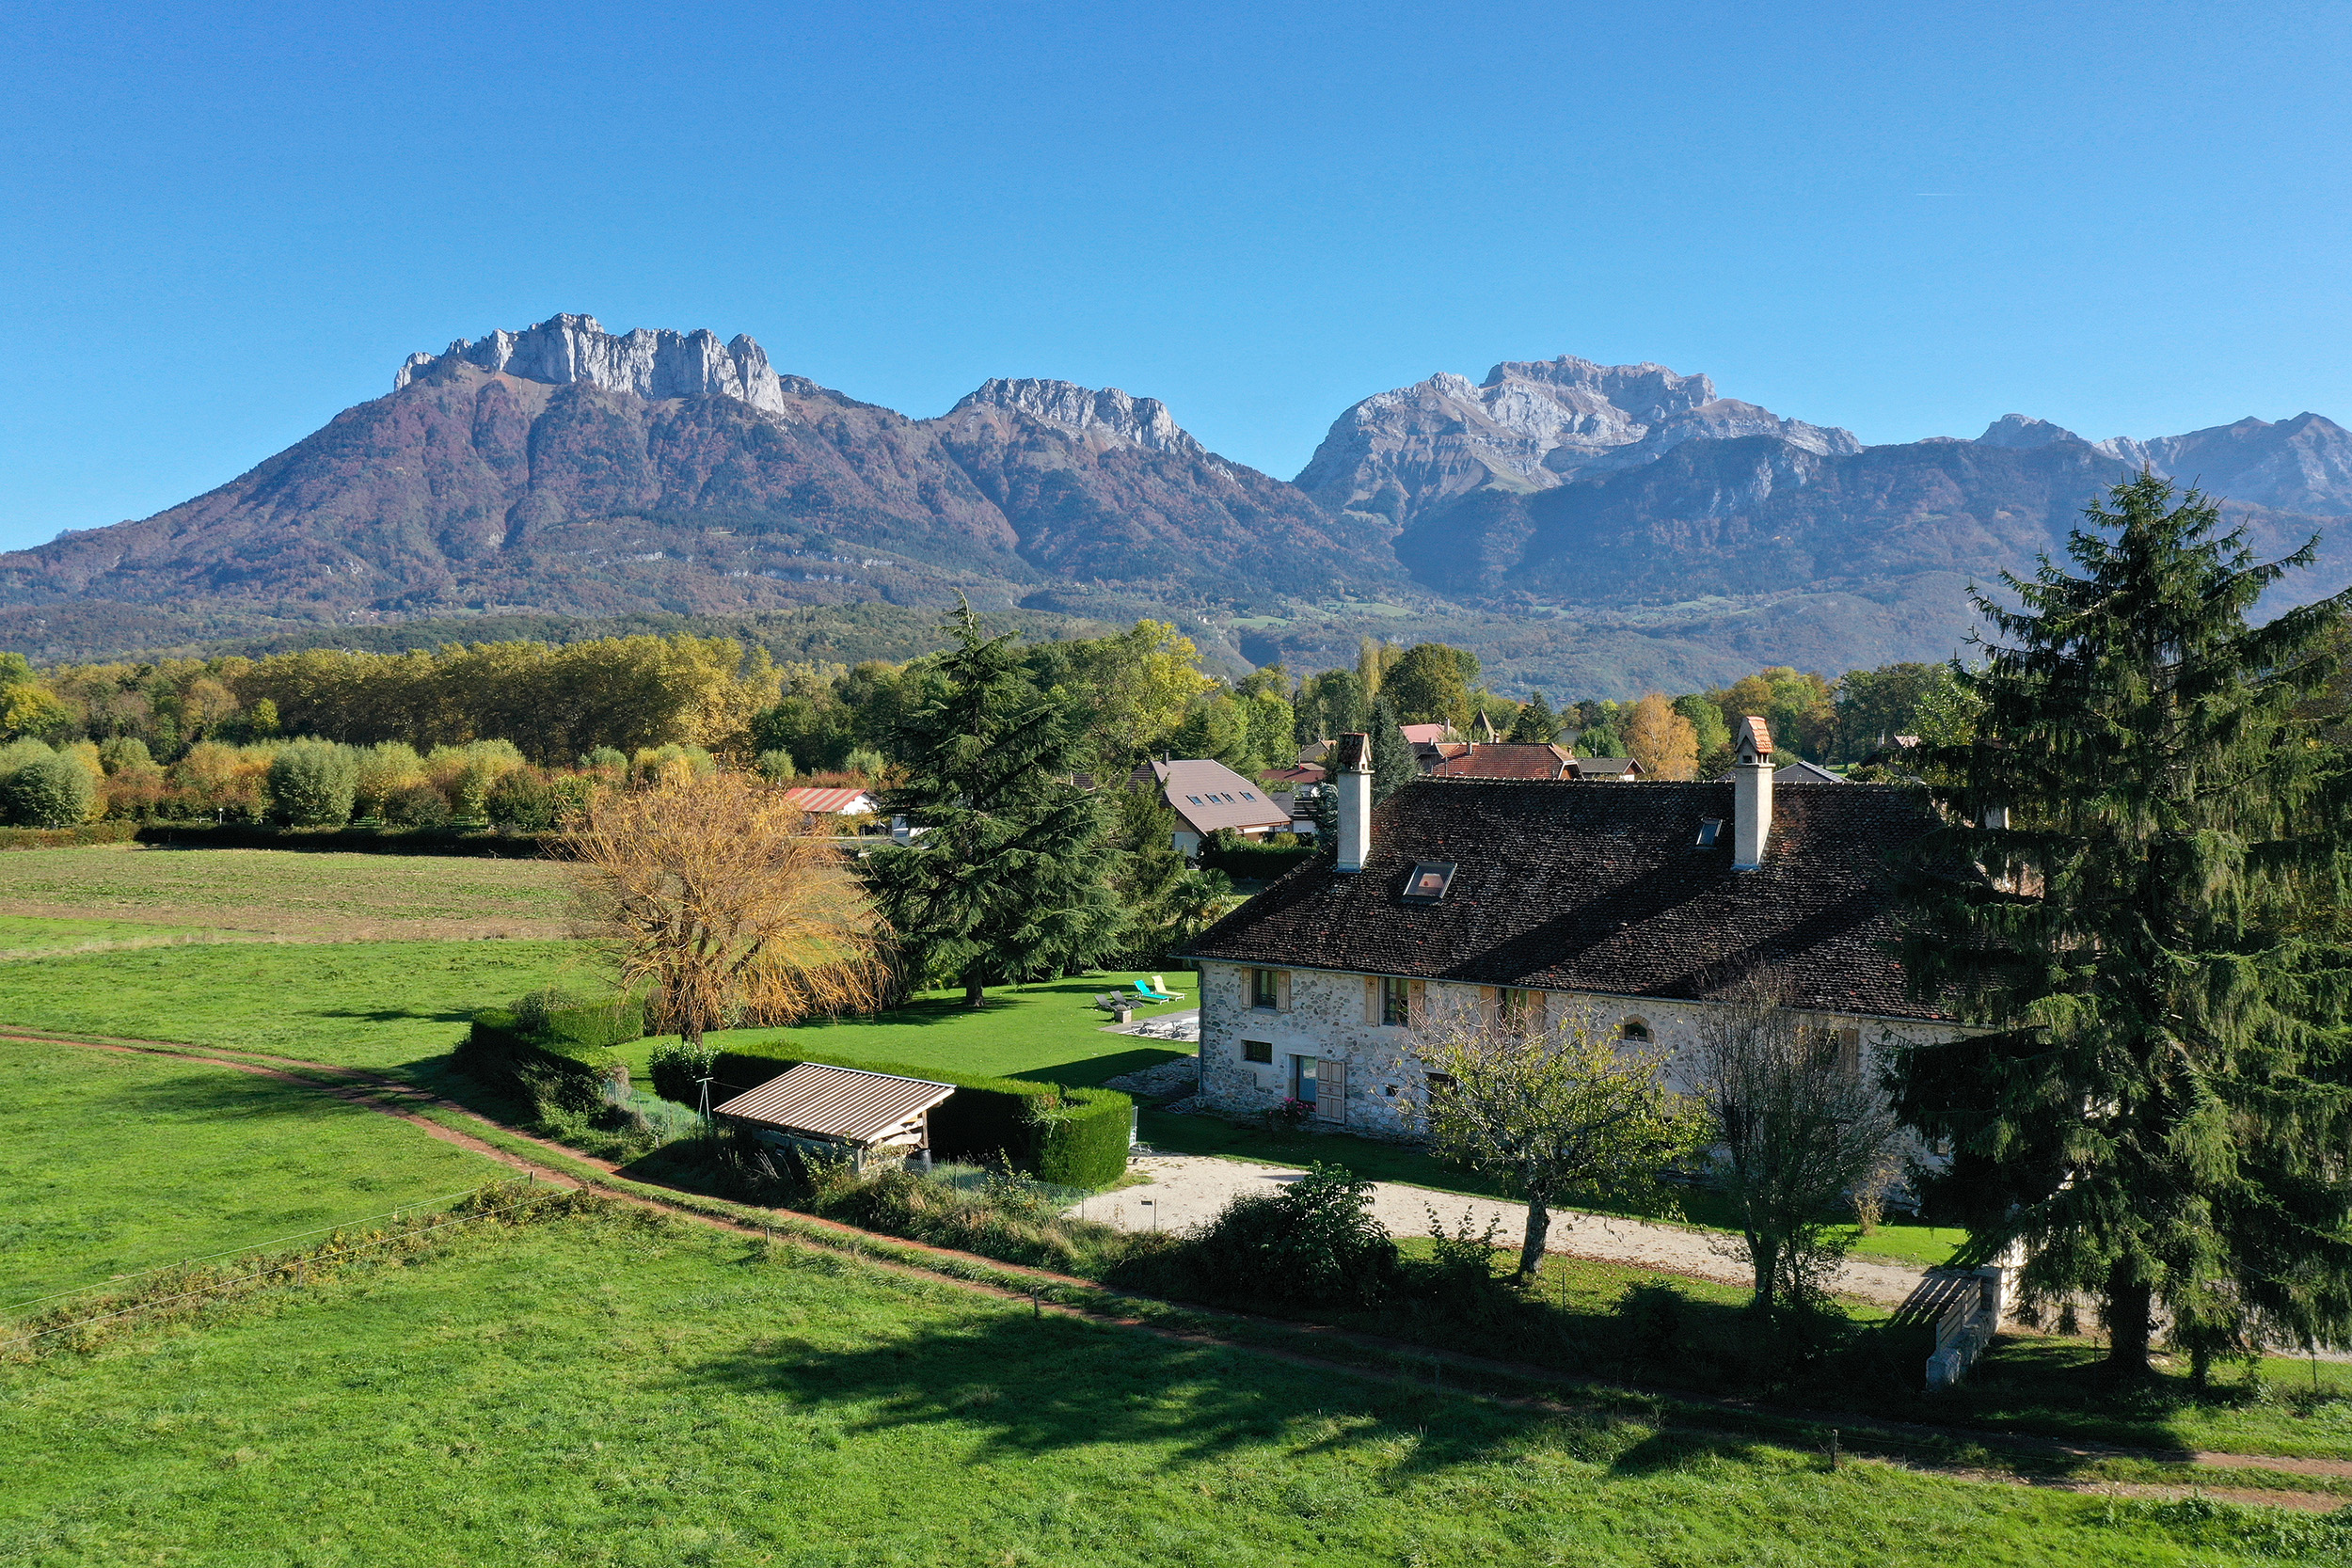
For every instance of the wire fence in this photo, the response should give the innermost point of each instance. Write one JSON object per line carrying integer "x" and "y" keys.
{"x": 281, "y": 1265}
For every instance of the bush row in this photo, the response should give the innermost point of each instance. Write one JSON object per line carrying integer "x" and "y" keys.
{"x": 1254, "y": 862}
{"x": 66, "y": 838}
{"x": 1069, "y": 1137}
{"x": 550, "y": 1049}
{"x": 366, "y": 841}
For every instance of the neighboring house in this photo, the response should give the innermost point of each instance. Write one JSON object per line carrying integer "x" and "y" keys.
{"x": 818, "y": 802}
{"x": 1633, "y": 910}
{"x": 1207, "y": 796}
{"x": 1608, "y": 768}
{"x": 1797, "y": 772}
{"x": 1291, "y": 777}
{"x": 1505, "y": 759}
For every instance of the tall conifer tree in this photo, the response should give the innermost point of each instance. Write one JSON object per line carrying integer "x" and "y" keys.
{"x": 1009, "y": 880}
{"x": 1536, "y": 723}
{"x": 2161, "y": 1109}
{"x": 1393, "y": 765}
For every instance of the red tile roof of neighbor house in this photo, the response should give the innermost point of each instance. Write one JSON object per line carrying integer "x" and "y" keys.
{"x": 1582, "y": 887}
{"x": 1306, "y": 773}
{"x": 830, "y": 803}
{"x": 1208, "y": 796}
{"x": 1505, "y": 759}
{"x": 1427, "y": 735}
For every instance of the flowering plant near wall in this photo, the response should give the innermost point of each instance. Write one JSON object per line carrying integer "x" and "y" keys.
{"x": 1290, "y": 1115}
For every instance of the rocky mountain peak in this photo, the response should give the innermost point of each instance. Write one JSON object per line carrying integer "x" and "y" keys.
{"x": 2024, "y": 433}
{"x": 647, "y": 363}
{"x": 1529, "y": 425}
{"x": 1144, "y": 422}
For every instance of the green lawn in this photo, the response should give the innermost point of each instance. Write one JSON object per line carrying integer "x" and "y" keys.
{"x": 612, "y": 1392}
{"x": 360, "y": 1004}
{"x": 1050, "y": 1031}
{"x": 296, "y": 894}
{"x": 23, "y": 936}
{"x": 117, "y": 1163}
{"x": 1925, "y": 1246}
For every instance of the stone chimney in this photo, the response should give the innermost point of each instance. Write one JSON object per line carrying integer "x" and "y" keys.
{"x": 1751, "y": 794}
{"x": 1350, "y": 772}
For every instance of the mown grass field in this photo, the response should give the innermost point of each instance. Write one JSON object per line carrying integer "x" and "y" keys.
{"x": 116, "y": 1163}
{"x": 297, "y": 897}
{"x": 616, "y": 1392}
{"x": 373, "y": 1005}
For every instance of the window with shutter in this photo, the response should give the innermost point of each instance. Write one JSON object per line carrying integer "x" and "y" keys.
{"x": 1282, "y": 991}
{"x": 1330, "y": 1090}
{"x": 1373, "y": 987}
{"x": 1396, "y": 1002}
{"x": 1417, "y": 1002}
{"x": 1261, "y": 987}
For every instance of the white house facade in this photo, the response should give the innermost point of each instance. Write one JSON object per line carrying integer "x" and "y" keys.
{"x": 1635, "y": 909}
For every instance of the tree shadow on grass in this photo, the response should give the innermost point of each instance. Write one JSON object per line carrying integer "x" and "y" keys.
{"x": 400, "y": 1015}
{"x": 1020, "y": 1386}
{"x": 224, "y": 1095}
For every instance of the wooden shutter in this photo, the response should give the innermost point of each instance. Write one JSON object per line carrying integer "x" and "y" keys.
{"x": 1330, "y": 1090}
{"x": 1281, "y": 990}
{"x": 1372, "y": 999}
{"x": 1416, "y": 1003}
{"x": 1489, "y": 1005}
{"x": 1850, "y": 1052}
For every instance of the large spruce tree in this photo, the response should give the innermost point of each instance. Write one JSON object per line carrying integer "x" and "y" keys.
{"x": 1010, "y": 876}
{"x": 2160, "y": 1107}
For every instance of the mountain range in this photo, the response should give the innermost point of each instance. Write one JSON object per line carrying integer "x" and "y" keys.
{"x": 1587, "y": 529}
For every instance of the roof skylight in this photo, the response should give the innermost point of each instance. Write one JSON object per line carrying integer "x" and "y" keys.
{"x": 1428, "y": 882}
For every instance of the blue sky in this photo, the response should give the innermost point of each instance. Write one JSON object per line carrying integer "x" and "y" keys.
{"x": 222, "y": 224}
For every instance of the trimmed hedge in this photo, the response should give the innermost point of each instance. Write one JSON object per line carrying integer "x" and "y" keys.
{"x": 365, "y": 841}
{"x": 1260, "y": 862}
{"x": 67, "y": 838}
{"x": 561, "y": 1053}
{"x": 1069, "y": 1137}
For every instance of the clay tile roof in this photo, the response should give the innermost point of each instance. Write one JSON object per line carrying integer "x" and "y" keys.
{"x": 830, "y": 802}
{"x": 1427, "y": 734}
{"x": 1758, "y": 732}
{"x": 1497, "y": 759}
{"x": 1567, "y": 886}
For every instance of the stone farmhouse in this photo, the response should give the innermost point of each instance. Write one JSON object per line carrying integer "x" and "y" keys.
{"x": 1633, "y": 907}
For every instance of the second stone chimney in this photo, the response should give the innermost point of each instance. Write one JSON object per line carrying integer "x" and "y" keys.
{"x": 1350, "y": 772}
{"x": 1751, "y": 793}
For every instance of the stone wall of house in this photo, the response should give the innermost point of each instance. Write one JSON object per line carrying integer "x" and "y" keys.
{"x": 1324, "y": 1016}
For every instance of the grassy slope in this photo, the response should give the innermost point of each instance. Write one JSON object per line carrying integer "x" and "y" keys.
{"x": 595, "y": 1393}
{"x": 376, "y": 1005}
{"x": 117, "y": 1163}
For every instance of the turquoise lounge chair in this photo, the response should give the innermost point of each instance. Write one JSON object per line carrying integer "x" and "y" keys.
{"x": 1153, "y": 993}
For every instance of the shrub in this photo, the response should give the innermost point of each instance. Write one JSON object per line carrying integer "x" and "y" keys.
{"x": 1652, "y": 1317}
{"x": 1313, "y": 1243}
{"x": 609, "y": 760}
{"x": 530, "y": 801}
{"x": 864, "y": 762}
{"x": 778, "y": 767}
{"x": 1254, "y": 862}
{"x": 580, "y": 1025}
{"x": 313, "y": 783}
{"x": 677, "y": 1069}
{"x": 46, "y": 791}
{"x": 418, "y": 805}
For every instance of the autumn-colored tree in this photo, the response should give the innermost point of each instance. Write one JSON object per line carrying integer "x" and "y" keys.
{"x": 711, "y": 897}
{"x": 1661, "y": 739}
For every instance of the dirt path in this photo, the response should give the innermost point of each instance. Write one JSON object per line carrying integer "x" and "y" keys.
{"x": 1186, "y": 1189}
{"x": 1894, "y": 1439}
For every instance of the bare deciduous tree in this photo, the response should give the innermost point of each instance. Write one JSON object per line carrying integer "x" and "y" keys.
{"x": 1551, "y": 1109}
{"x": 1800, "y": 1130}
{"x": 712, "y": 895}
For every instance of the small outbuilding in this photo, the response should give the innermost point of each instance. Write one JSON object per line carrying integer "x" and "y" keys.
{"x": 840, "y": 1112}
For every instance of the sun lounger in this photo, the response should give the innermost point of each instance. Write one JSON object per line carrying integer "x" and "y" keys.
{"x": 1152, "y": 994}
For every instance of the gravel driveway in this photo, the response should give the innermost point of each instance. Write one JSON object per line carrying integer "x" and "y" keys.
{"x": 1186, "y": 1189}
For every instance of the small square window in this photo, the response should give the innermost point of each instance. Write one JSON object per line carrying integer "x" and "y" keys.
{"x": 1256, "y": 1051}
{"x": 1428, "y": 882}
{"x": 1711, "y": 830}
